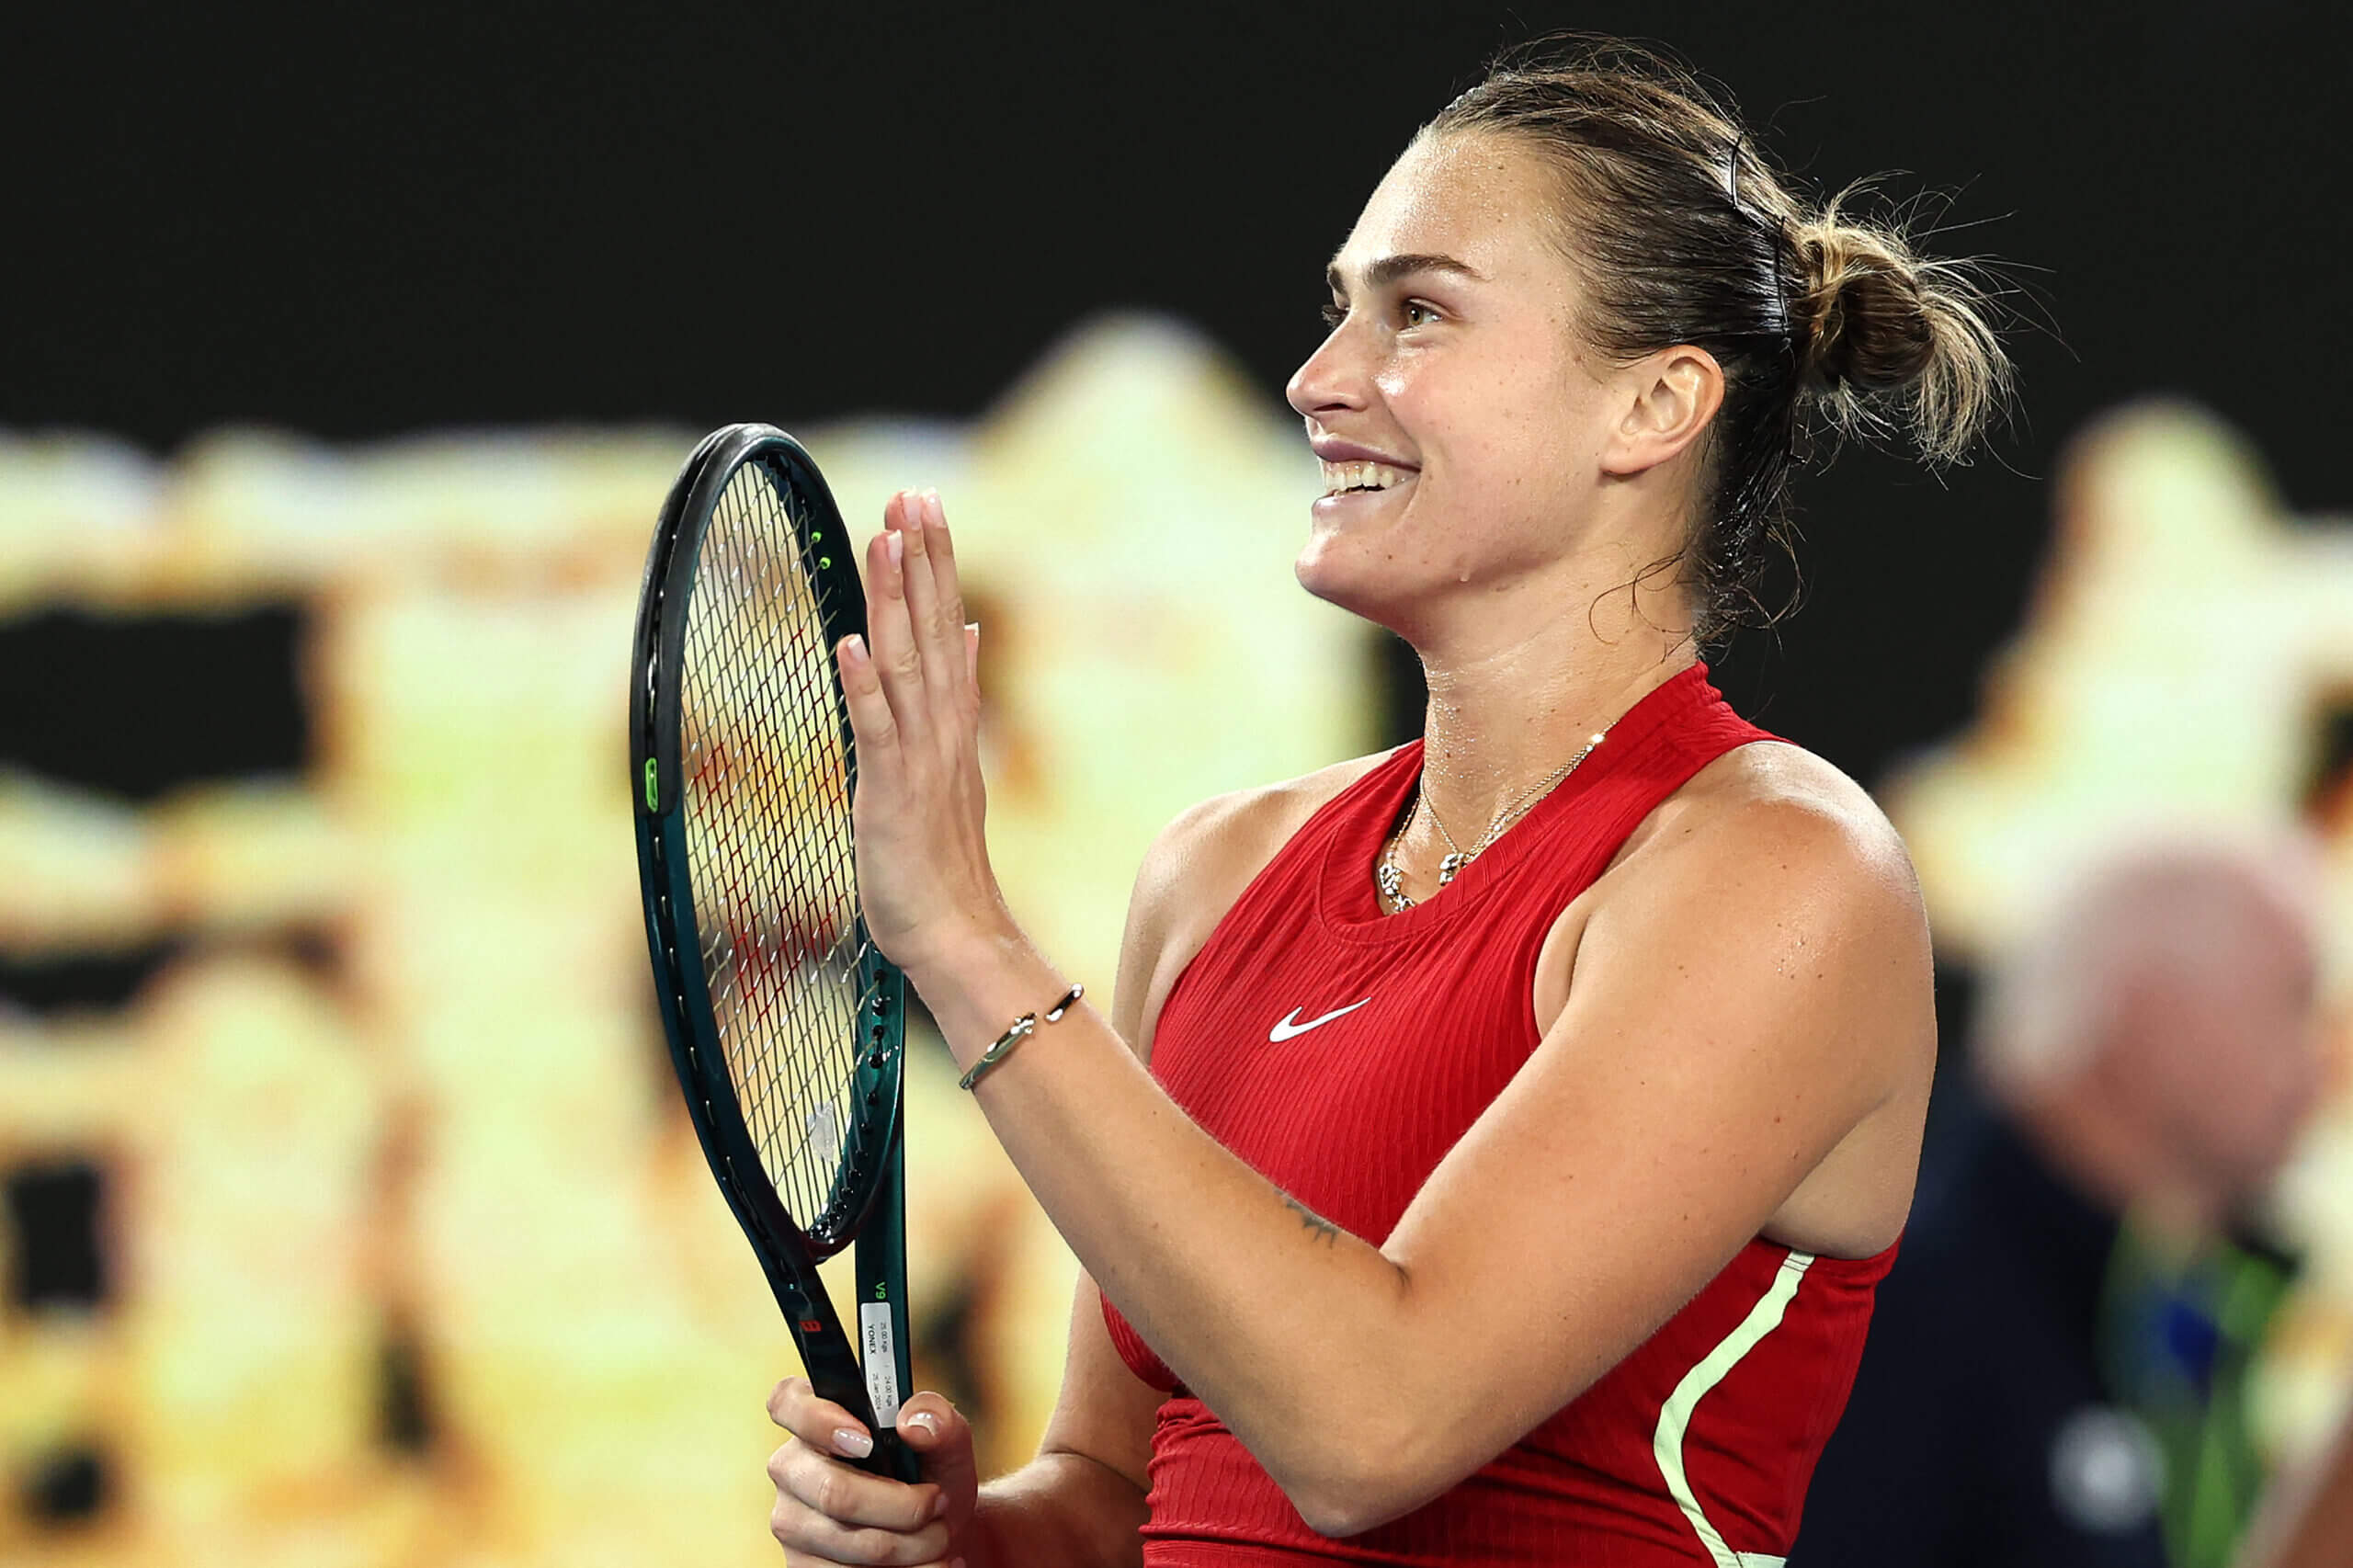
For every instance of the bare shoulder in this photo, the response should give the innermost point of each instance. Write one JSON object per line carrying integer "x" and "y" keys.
{"x": 1778, "y": 806}
{"x": 1782, "y": 861}
{"x": 1195, "y": 871}
{"x": 1793, "y": 872}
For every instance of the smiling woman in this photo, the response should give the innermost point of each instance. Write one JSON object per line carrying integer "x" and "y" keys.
{"x": 1516, "y": 1203}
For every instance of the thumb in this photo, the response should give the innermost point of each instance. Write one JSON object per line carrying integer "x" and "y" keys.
{"x": 942, "y": 1439}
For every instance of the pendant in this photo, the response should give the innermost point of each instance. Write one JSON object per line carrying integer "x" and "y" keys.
{"x": 1449, "y": 865}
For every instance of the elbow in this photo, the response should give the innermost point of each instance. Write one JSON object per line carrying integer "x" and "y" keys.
{"x": 1338, "y": 1517}
{"x": 1366, "y": 1446}
{"x": 1337, "y": 1508}
{"x": 1347, "y": 1485}
{"x": 1337, "y": 1511}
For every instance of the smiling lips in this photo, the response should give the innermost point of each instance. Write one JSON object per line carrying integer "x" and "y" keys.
{"x": 1340, "y": 478}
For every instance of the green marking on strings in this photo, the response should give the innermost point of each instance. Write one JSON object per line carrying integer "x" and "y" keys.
{"x": 650, "y": 789}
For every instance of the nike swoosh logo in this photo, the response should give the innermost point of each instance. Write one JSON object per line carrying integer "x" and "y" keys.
{"x": 1290, "y": 1028}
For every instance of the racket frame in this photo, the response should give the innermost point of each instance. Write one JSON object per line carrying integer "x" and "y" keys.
{"x": 875, "y": 1216}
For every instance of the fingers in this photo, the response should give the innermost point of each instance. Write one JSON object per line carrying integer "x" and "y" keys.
{"x": 890, "y": 622}
{"x": 916, "y": 617}
{"x": 823, "y": 1505}
{"x": 870, "y": 719}
{"x": 793, "y": 1404}
{"x": 828, "y": 1512}
{"x": 941, "y": 1437}
{"x": 935, "y": 598}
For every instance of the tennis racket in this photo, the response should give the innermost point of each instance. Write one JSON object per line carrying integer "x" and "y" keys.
{"x": 786, "y": 1025}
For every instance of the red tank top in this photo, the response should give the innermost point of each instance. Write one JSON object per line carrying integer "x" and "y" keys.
{"x": 1695, "y": 1449}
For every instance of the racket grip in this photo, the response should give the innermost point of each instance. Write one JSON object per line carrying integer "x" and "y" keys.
{"x": 893, "y": 1458}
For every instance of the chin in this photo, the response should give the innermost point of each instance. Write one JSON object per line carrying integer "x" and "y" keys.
{"x": 1346, "y": 579}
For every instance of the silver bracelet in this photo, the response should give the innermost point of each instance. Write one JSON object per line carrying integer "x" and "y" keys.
{"x": 1023, "y": 1028}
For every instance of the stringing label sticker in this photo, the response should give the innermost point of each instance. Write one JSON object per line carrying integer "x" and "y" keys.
{"x": 881, "y": 1359}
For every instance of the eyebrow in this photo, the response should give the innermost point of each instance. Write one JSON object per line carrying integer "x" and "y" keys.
{"x": 1389, "y": 269}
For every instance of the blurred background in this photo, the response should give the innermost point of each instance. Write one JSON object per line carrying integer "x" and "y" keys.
{"x": 348, "y": 353}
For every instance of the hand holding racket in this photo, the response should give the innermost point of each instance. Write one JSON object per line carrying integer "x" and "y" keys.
{"x": 827, "y": 1513}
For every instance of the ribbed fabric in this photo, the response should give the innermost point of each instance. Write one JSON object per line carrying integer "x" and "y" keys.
{"x": 1352, "y": 1116}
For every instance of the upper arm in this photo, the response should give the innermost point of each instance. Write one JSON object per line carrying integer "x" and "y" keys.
{"x": 1738, "y": 1008}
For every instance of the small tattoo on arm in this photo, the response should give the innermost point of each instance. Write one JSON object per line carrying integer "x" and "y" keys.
{"x": 1322, "y": 1229}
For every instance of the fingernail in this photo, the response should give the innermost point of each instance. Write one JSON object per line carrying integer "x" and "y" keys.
{"x": 972, "y": 628}
{"x": 853, "y": 649}
{"x": 851, "y": 1441}
{"x": 939, "y": 1506}
{"x": 933, "y": 513}
{"x": 926, "y": 1420}
{"x": 894, "y": 545}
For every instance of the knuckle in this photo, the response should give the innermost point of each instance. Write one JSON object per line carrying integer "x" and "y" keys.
{"x": 829, "y": 1492}
{"x": 879, "y": 1546}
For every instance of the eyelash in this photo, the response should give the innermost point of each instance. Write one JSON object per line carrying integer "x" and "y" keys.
{"x": 1334, "y": 314}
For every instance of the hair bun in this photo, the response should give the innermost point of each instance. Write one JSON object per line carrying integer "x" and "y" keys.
{"x": 1875, "y": 322}
{"x": 1862, "y": 318}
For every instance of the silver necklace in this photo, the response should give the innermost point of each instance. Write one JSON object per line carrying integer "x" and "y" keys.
{"x": 1390, "y": 880}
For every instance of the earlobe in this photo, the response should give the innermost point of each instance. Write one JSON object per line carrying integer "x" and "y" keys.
{"x": 1671, "y": 396}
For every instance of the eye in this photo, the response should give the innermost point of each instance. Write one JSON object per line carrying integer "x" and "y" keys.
{"x": 1413, "y": 308}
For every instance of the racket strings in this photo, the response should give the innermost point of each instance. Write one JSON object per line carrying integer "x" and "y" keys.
{"x": 803, "y": 1114}
{"x": 767, "y": 807}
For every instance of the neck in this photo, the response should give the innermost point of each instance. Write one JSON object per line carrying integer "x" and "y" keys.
{"x": 1507, "y": 713}
{"x": 1522, "y": 672}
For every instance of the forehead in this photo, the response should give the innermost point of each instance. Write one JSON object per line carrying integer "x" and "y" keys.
{"x": 1483, "y": 199}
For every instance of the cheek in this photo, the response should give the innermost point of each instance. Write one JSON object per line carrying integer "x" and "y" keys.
{"x": 1492, "y": 432}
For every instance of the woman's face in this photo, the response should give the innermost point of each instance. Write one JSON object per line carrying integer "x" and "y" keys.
{"x": 1453, "y": 403}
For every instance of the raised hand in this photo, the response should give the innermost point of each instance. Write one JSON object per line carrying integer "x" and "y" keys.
{"x": 913, "y": 696}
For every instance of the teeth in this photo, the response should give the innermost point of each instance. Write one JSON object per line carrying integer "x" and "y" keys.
{"x": 1338, "y": 477}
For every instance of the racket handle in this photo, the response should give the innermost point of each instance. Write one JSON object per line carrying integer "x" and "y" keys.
{"x": 893, "y": 1458}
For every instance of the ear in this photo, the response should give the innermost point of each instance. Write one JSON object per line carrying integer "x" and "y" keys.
{"x": 1666, "y": 400}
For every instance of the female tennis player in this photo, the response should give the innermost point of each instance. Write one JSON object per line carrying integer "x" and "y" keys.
{"x": 1496, "y": 1141}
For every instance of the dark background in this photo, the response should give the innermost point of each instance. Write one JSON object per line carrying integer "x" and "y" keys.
{"x": 363, "y": 221}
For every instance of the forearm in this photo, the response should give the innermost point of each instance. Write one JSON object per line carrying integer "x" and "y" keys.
{"x": 1059, "y": 1510}
{"x": 1290, "y": 1329}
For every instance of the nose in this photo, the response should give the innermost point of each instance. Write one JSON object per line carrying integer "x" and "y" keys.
{"x": 1330, "y": 381}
